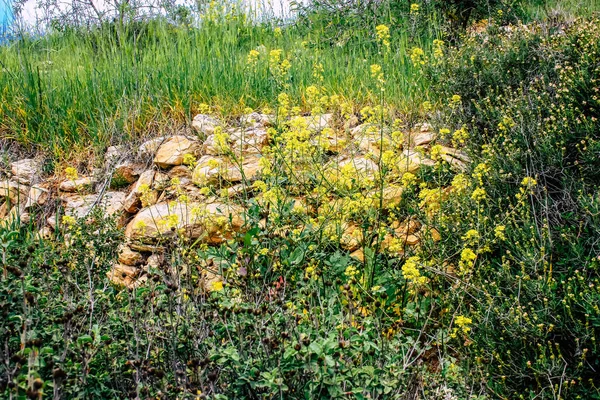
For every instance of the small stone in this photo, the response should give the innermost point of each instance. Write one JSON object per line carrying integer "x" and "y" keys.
{"x": 130, "y": 257}
{"x": 460, "y": 155}
{"x": 26, "y": 171}
{"x": 205, "y": 124}
{"x": 352, "y": 237}
{"x": 455, "y": 163}
{"x": 173, "y": 150}
{"x": 15, "y": 192}
{"x": 46, "y": 233}
{"x": 150, "y": 147}
{"x": 124, "y": 275}
{"x": 128, "y": 172}
{"x": 154, "y": 261}
{"x": 412, "y": 161}
{"x": 146, "y": 248}
{"x": 248, "y": 140}
{"x": 358, "y": 255}
{"x": 212, "y": 281}
{"x": 142, "y": 188}
{"x": 4, "y": 209}
{"x": 421, "y": 139}
{"x": 210, "y": 168}
{"x": 257, "y": 119}
{"x": 51, "y": 220}
{"x": 181, "y": 172}
{"x": 351, "y": 122}
{"x": 392, "y": 195}
{"x": 37, "y": 196}
{"x": 77, "y": 185}
{"x": 113, "y": 155}
{"x": 412, "y": 240}
{"x": 318, "y": 122}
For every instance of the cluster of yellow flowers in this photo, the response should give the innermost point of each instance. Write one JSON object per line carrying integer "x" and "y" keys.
{"x": 383, "y": 35}
{"x": 418, "y": 56}
{"x": 411, "y": 272}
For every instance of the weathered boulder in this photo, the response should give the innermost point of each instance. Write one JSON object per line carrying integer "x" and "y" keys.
{"x": 172, "y": 151}
{"x": 212, "y": 223}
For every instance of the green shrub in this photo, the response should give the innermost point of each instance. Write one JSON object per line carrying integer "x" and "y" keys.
{"x": 530, "y": 103}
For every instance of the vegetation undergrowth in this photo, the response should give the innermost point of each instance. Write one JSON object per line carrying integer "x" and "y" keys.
{"x": 322, "y": 295}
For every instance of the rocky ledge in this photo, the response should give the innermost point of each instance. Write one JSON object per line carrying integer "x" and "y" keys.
{"x": 161, "y": 195}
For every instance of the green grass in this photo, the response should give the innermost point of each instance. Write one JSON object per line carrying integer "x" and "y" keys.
{"x": 72, "y": 89}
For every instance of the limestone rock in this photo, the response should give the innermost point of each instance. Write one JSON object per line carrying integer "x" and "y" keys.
{"x": 142, "y": 192}
{"x": 113, "y": 155}
{"x": 352, "y": 237}
{"x": 128, "y": 171}
{"x": 421, "y": 138}
{"x": 360, "y": 166}
{"x": 46, "y": 233}
{"x": 77, "y": 185}
{"x": 412, "y": 161}
{"x": 26, "y": 171}
{"x": 181, "y": 172}
{"x": 205, "y": 124}
{"x": 130, "y": 257}
{"x": 392, "y": 195}
{"x": 358, "y": 255}
{"x": 51, "y": 220}
{"x": 150, "y": 147}
{"x": 212, "y": 223}
{"x": 172, "y": 151}
{"x": 4, "y": 209}
{"x": 256, "y": 119}
{"x": 125, "y": 275}
{"x": 36, "y": 196}
{"x": 209, "y": 169}
{"x": 318, "y": 122}
{"x": 459, "y": 155}
{"x": 79, "y": 206}
{"x": 248, "y": 140}
{"x": 15, "y": 192}
{"x": 330, "y": 140}
{"x": 154, "y": 261}
{"x": 351, "y": 122}
{"x": 211, "y": 281}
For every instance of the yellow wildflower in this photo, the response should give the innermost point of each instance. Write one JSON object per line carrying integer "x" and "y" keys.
{"x": 463, "y": 323}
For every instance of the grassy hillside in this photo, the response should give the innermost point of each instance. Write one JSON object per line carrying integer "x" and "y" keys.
{"x": 436, "y": 238}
